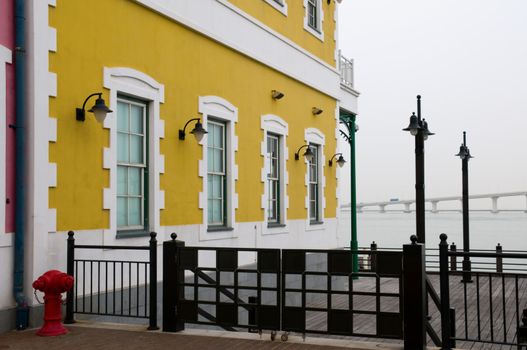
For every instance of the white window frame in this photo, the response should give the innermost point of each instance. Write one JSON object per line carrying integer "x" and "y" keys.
{"x": 319, "y": 31}
{"x": 5, "y": 58}
{"x": 314, "y": 163}
{"x": 217, "y": 108}
{"x": 274, "y": 124}
{"x": 279, "y": 5}
{"x": 274, "y": 178}
{"x": 315, "y": 136}
{"x": 143, "y": 166}
{"x": 223, "y": 174}
{"x": 133, "y": 83}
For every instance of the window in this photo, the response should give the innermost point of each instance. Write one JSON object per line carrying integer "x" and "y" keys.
{"x": 314, "y": 203}
{"x": 274, "y": 176}
{"x": 313, "y": 18}
{"x": 216, "y": 174}
{"x": 132, "y": 169}
{"x": 312, "y": 14}
{"x": 279, "y": 5}
{"x": 218, "y": 169}
{"x": 273, "y": 179}
{"x": 133, "y": 95}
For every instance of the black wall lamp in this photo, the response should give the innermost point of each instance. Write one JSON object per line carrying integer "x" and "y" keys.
{"x": 277, "y": 95}
{"x": 340, "y": 160}
{"x": 308, "y": 153}
{"x": 316, "y": 111}
{"x": 198, "y": 130}
{"x": 99, "y": 109}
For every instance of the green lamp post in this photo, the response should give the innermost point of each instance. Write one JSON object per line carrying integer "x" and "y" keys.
{"x": 348, "y": 120}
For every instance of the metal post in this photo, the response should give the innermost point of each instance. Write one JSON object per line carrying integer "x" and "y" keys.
{"x": 452, "y": 315}
{"x": 373, "y": 256}
{"x": 70, "y": 263}
{"x": 172, "y": 291}
{"x": 153, "y": 282}
{"x": 349, "y": 121}
{"x": 453, "y": 259}
{"x": 522, "y": 332}
{"x": 499, "y": 259}
{"x": 467, "y": 276}
{"x": 445, "y": 293}
{"x": 354, "y": 243}
{"x": 414, "y": 295}
{"x": 420, "y": 179}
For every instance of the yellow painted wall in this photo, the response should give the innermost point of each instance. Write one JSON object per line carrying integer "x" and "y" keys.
{"x": 124, "y": 34}
{"x": 292, "y": 26}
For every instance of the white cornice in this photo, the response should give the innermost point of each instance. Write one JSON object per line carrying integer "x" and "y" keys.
{"x": 229, "y": 26}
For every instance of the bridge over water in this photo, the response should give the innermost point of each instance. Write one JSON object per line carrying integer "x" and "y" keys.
{"x": 493, "y": 197}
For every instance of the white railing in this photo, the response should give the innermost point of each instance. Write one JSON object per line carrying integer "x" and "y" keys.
{"x": 346, "y": 71}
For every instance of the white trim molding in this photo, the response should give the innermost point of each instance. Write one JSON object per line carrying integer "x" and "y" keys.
{"x": 226, "y": 24}
{"x": 273, "y": 124}
{"x": 220, "y": 109}
{"x": 5, "y": 58}
{"x": 313, "y": 135}
{"x": 338, "y": 169}
{"x": 41, "y": 39}
{"x": 131, "y": 82}
{"x": 319, "y": 34}
{"x": 279, "y": 5}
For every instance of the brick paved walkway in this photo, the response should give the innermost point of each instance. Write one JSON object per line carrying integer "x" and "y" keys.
{"x": 90, "y": 337}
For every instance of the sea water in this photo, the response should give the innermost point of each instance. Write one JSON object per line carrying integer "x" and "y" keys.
{"x": 393, "y": 229}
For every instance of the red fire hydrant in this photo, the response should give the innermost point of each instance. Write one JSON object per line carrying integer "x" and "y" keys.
{"x": 53, "y": 283}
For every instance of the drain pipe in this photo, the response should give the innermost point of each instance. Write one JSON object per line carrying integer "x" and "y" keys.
{"x": 22, "y": 310}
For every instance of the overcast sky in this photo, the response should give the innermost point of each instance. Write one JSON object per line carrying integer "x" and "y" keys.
{"x": 468, "y": 60}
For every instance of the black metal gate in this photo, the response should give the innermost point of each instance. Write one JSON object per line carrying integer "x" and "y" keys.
{"x": 303, "y": 291}
{"x": 341, "y": 308}
{"x": 229, "y": 292}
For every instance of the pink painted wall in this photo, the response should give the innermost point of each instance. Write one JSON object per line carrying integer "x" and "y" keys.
{"x": 7, "y": 38}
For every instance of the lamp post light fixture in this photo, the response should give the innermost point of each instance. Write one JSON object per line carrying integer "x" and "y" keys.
{"x": 348, "y": 119}
{"x": 277, "y": 95}
{"x": 308, "y": 153}
{"x": 316, "y": 111}
{"x": 340, "y": 160}
{"x": 464, "y": 154}
{"x": 419, "y": 129}
{"x": 99, "y": 110}
{"x": 198, "y": 130}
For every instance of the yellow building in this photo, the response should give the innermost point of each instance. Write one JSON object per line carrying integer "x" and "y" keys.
{"x": 262, "y": 77}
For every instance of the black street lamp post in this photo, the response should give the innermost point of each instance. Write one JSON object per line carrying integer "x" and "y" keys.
{"x": 419, "y": 128}
{"x": 464, "y": 154}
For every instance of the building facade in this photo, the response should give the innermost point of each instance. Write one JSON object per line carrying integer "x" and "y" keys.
{"x": 262, "y": 78}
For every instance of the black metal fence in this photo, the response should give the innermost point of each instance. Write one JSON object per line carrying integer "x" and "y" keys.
{"x": 488, "y": 303}
{"x": 302, "y": 291}
{"x": 496, "y": 264}
{"x": 122, "y": 288}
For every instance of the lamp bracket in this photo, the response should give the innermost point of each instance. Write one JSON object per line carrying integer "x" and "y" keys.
{"x": 297, "y": 154}
{"x": 331, "y": 160}
{"x": 182, "y": 131}
{"x": 81, "y": 112}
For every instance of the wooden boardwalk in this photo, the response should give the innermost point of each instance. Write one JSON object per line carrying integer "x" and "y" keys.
{"x": 497, "y": 323}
